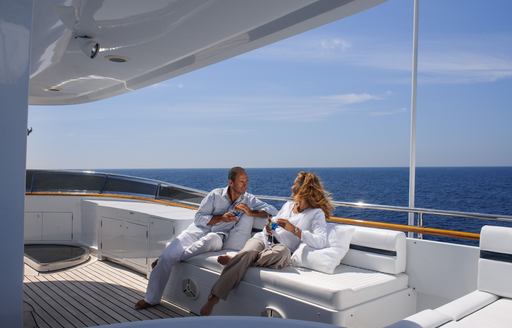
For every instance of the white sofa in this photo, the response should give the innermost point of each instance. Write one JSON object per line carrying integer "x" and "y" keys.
{"x": 370, "y": 278}
{"x": 489, "y": 306}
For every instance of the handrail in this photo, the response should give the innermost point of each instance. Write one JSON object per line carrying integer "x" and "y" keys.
{"x": 373, "y": 224}
{"x": 416, "y": 210}
{"x": 408, "y": 228}
{"x": 380, "y": 225}
{"x": 131, "y": 197}
{"x": 189, "y": 198}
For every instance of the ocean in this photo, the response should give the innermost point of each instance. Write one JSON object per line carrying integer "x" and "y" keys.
{"x": 469, "y": 189}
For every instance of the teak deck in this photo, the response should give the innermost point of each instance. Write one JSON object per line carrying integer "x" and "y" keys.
{"x": 92, "y": 294}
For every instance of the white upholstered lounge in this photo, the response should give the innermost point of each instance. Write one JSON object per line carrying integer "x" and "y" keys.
{"x": 348, "y": 286}
{"x": 490, "y": 305}
{"x": 370, "y": 277}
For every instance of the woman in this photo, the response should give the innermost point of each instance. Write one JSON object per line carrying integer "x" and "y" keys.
{"x": 300, "y": 220}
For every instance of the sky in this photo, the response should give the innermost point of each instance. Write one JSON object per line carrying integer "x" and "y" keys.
{"x": 335, "y": 96}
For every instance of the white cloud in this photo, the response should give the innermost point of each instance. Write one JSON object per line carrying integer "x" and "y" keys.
{"x": 352, "y": 98}
{"x": 304, "y": 49}
{"x": 389, "y": 113}
{"x": 335, "y": 44}
{"x": 298, "y": 109}
{"x": 463, "y": 60}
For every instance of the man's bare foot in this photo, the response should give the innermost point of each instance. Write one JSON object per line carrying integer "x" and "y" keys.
{"x": 142, "y": 304}
{"x": 224, "y": 259}
{"x": 208, "y": 307}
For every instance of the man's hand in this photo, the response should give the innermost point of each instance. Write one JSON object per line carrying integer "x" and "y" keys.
{"x": 244, "y": 208}
{"x": 226, "y": 217}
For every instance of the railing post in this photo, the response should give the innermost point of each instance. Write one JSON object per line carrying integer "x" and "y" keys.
{"x": 102, "y": 190}
{"x": 420, "y": 224}
{"x": 157, "y": 192}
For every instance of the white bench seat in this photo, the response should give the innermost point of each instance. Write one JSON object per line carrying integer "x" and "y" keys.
{"x": 347, "y": 287}
{"x": 370, "y": 278}
{"x": 495, "y": 315}
{"x": 467, "y": 304}
{"x": 489, "y": 306}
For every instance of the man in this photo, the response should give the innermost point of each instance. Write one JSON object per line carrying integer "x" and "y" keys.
{"x": 225, "y": 217}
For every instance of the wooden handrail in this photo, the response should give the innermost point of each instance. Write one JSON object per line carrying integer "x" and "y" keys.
{"x": 408, "y": 228}
{"x": 364, "y": 223}
{"x": 132, "y": 197}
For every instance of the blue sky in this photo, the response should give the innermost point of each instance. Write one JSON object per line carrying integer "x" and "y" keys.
{"x": 336, "y": 96}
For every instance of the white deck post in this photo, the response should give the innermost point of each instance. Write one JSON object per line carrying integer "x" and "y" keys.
{"x": 15, "y": 28}
{"x": 412, "y": 151}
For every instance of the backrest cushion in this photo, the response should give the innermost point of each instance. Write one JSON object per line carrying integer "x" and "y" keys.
{"x": 377, "y": 249}
{"x": 325, "y": 259}
{"x": 495, "y": 263}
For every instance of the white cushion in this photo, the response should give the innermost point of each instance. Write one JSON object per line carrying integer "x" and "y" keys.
{"x": 239, "y": 234}
{"x": 496, "y": 239}
{"x": 424, "y": 319}
{"x": 494, "y": 273}
{"x": 494, "y": 277}
{"x": 467, "y": 304}
{"x": 325, "y": 259}
{"x": 495, "y": 315}
{"x": 379, "y": 239}
{"x": 346, "y": 287}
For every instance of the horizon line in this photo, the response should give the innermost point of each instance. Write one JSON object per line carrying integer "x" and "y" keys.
{"x": 277, "y": 167}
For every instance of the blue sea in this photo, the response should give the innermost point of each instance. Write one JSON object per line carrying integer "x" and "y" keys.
{"x": 469, "y": 189}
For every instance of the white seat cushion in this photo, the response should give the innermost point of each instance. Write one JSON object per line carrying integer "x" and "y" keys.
{"x": 467, "y": 304}
{"x": 424, "y": 319}
{"x": 494, "y": 315}
{"x": 377, "y": 249}
{"x": 495, "y": 264}
{"x": 496, "y": 239}
{"x": 348, "y": 286}
{"x": 328, "y": 258}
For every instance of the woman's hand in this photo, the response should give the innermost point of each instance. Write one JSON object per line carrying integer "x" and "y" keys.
{"x": 288, "y": 226}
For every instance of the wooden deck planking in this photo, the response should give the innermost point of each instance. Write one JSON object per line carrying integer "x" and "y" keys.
{"x": 128, "y": 296}
{"x": 42, "y": 318}
{"x": 88, "y": 295}
{"x": 136, "y": 287}
{"x": 71, "y": 313}
{"x": 96, "y": 291}
{"x": 135, "y": 281}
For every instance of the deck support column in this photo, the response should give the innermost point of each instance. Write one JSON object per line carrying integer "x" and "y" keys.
{"x": 15, "y": 30}
{"x": 412, "y": 151}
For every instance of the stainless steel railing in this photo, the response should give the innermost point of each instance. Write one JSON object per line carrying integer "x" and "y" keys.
{"x": 88, "y": 181}
{"x": 417, "y": 212}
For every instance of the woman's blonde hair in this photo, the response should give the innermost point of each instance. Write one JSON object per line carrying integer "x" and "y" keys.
{"x": 308, "y": 186}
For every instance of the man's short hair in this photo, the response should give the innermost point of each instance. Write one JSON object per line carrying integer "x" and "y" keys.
{"x": 234, "y": 171}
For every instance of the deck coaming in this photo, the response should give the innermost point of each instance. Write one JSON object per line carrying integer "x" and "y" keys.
{"x": 97, "y": 293}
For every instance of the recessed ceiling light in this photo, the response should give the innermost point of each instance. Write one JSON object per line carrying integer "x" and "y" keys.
{"x": 116, "y": 59}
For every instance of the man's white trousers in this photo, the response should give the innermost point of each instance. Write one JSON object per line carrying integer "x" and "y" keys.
{"x": 187, "y": 244}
